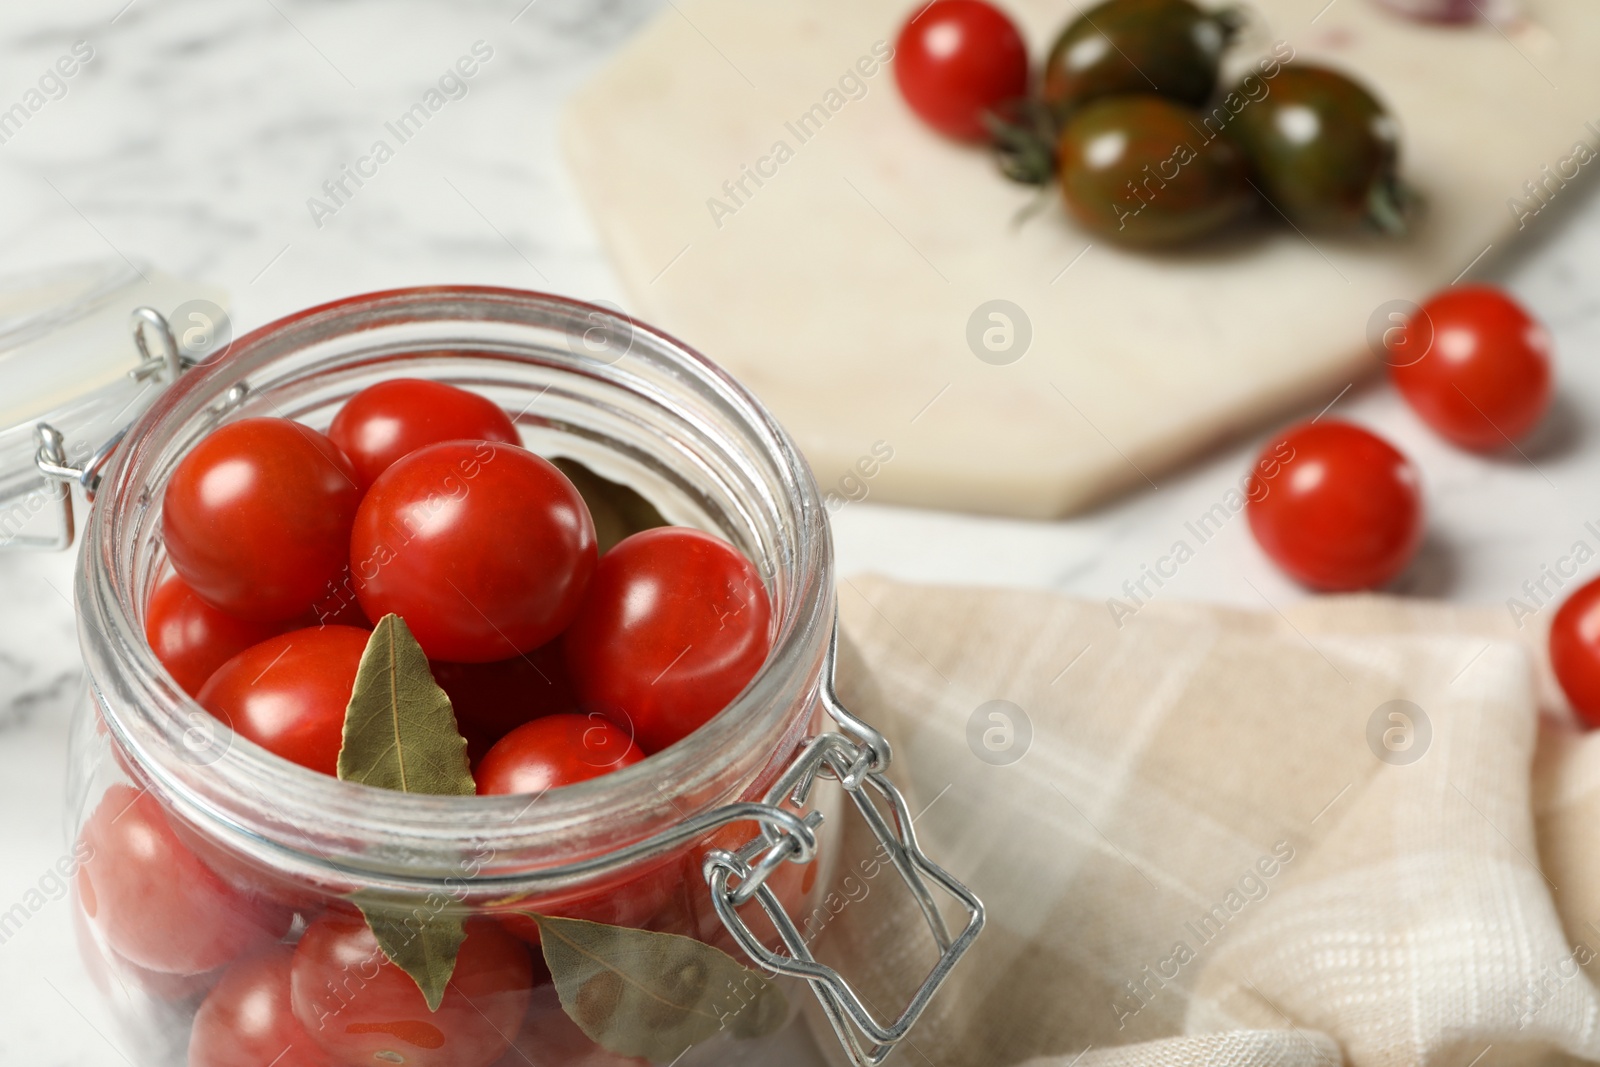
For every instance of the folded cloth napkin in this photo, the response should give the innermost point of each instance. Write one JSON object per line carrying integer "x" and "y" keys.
{"x": 1356, "y": 830}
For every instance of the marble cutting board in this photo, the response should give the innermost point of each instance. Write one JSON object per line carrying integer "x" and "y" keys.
{"x": 766, "y": 196}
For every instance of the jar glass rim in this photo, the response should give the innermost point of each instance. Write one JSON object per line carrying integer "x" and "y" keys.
{"x": 266, "y": 801}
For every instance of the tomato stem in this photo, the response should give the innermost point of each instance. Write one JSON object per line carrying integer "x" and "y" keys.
{"x": 1025, "y": 141}
{"x": 1391, "y": 205}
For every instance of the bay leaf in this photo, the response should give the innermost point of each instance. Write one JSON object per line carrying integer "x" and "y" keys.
{"x": 400, "y": 733}
{"x": 399, "y": 729}
{"x": 642, "y": 993}
{"x": 424, "y": 944}
{"x": 618, "y": 510}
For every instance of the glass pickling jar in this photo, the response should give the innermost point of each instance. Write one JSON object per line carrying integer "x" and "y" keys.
{"x": 724, "y": 838}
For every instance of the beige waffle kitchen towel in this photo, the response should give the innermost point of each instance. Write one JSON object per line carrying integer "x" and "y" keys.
{"x": 1355, "y": 831}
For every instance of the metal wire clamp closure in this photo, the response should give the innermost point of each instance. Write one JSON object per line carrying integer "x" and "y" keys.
{"x": 51, "y": 448}
{"x": 857, "y": 762}
{"x": 856, "y": 757}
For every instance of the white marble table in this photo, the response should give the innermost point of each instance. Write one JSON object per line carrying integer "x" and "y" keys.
{"x": 200, "y": 128}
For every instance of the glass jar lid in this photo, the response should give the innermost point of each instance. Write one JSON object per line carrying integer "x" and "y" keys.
{"x": 72, "y": 379}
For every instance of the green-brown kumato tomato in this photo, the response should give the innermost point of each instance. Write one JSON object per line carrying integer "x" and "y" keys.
{"x": 1122, "y": 47}
{"x": 1142, "y": 170}
{"x": 1324, "y": 150}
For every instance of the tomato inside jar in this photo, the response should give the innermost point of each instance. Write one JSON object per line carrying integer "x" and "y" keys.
{"x": 369, "y": 804}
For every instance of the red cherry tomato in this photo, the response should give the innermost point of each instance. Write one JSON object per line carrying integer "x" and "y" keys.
{"x": 288, "y": 694}
{"x": 484, "y": 549}
{"x": 247, "y": 1020}
{"x": 1474, "y": 366}
{"x": 1575, "y": 651}
{"x": 191, "y": 638}
{"x": 363, "y": 1009}
{"x": 1335, "y": 506}
{"x": 257, "y": 517}
{"x": 674, "y": 626}
{"x": 492, "y": 699}
{"x": 109, "y": 971}
{"x": 391, "y": 419}
{"x": 554, "y": 751}
{"x": 155, "y": 903}
{"x": 957, "y": 60}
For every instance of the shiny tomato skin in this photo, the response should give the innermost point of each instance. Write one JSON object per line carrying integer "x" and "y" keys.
{"x": 484, "y": 549}
{"x": 554, "y": 751}
{"x": 1575, "y": 651}
{"x": 257, "y": 517}
{"x": 153, "y": 900}
{"x": 396, "y": 417}
{"x": 246, "y": 1021}
{"x": 191, "y": 638}
{"x": 674, "y": 627}
{"x": 492, "y": 699}
{"x": 1482, "y": 379}
{"x": 958, "y": 60}
{"x": 288, "y": 694}
{"x": 1342, "y": 509}
{"x": 362, "y": 1009}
